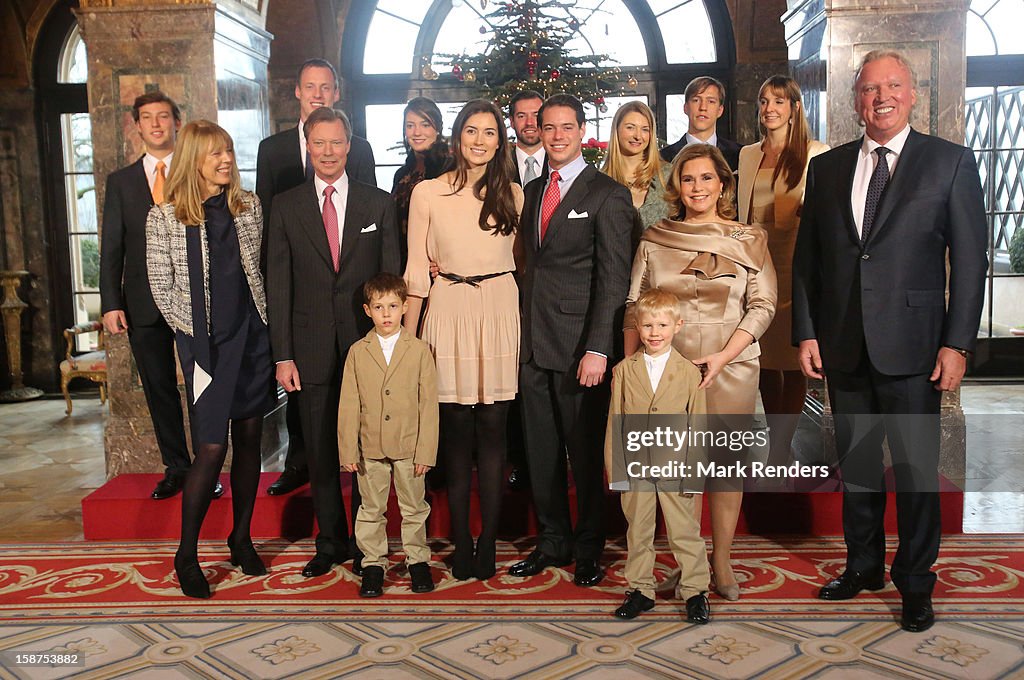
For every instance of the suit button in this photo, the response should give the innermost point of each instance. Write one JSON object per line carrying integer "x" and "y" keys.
{"x": 387, "y": 391}
{"x": 387, "y": 417}
{"x": 865, "y": 256}
{"x": 654, "y": 408}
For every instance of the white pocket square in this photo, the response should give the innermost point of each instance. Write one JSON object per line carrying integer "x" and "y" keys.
{"x": 367, "y": 230}
{"x": 575, "y": 215}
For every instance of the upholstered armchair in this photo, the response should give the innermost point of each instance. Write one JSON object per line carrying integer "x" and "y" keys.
{"x": 91, "y": 365}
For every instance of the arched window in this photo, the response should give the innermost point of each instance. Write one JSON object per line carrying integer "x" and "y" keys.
{"x": 994, "y": 128}
{"x": 386, "y": 44}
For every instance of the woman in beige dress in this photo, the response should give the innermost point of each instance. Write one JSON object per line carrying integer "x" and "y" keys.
{"x": 772, "y": 173}
{"x": 723, "y": 276}
{"x": 465, "y": 222}
{"x": 636, "y": 164}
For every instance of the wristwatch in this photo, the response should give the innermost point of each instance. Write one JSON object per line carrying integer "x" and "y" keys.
{"x": 962, "y": 352}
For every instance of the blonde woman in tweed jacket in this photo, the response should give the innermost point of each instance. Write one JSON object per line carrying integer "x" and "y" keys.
{"x": 203, "y": 253}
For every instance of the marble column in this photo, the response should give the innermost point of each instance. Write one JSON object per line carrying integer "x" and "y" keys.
{"x": 827, "y": 39}
{"x": 211, "y": 58}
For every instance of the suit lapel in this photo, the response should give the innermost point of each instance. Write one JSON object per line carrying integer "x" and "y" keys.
{"x": 401, "y": 349}
{"x": 907, "y": 169}
{"x": 847, "y": 169}
{"x": 376, "y": 352}
{"x": 313, "y": 223}
{"x": 640, "y": 371}
{"x": 355, "y": 216}
{"x": 140, "y": 184}
{"x": 577, "y": 192}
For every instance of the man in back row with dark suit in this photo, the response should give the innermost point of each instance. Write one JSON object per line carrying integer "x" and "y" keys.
{"x": 704, "y": 105}
{"x": 282, "y": 164}
{"x": 328, "y": 236}
{"x": 125, "y": 297}
{"x": 576, "y": 235}
{"x": 882, "y": 216}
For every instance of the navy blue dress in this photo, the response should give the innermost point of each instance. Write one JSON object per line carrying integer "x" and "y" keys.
{"x": 235, "y": 353}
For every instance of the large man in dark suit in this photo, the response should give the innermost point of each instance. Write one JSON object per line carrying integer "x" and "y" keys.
{"x": 125, "y": 297}
{"x": 880, "y": 216}
{"x": 704, "y": 105}
{"x": 282, "y": 164}
{"x": 327, "y": 237}
{"x": 528, "y": 152}
{"x": 576, "y": 229}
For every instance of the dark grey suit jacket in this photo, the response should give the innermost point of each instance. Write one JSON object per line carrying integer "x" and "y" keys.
{"x": 889, "y": 294}
{"x": 575, "y": 283}
{"x": 729, "y": 149}
{"x": 315, "y": 313}
{"x": 124, "y": 282}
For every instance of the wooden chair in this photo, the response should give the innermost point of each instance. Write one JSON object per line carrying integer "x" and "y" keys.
{"x": 91, "y": 365}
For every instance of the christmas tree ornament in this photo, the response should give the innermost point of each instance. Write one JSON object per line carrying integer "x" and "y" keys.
{"x": 603, "y": 108}
{"x": 471, "y": 77}
{"x": 555, "y": 73}
{"x": 483, "y": 30}
{"x": 483, "y": 4}
{"x": 457, "y": 71}
{"x": 632, "y": 82}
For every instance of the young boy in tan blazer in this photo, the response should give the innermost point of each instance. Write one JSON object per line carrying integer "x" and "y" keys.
{"x": 657, "y": 387}
{"x": 387, "y": 425}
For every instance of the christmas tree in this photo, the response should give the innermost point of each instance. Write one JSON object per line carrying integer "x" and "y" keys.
{"x": 527, "y": 51}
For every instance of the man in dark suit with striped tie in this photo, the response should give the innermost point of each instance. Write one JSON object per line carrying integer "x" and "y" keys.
{"x": 576, "y": 230}
{"x": 882, "y": 217}
{"x": 327, "y": 238}
{"x": 125, "y": 297}
{"x": 282, "y": 164}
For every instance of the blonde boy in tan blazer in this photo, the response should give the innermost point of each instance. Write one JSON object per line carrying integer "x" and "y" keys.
{"x": 387, "y": 425}
{"x": 654, "y": 383}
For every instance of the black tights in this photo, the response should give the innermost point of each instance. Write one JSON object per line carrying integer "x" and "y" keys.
{"x": 483, "y": 426}
{"x": 202, "y": 476}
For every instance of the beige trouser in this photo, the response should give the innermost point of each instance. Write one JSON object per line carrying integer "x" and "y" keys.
{"x": 683, "y": 525}
{"x": 371, "y": 523}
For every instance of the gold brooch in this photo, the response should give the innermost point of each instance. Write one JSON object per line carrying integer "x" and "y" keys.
{"x": 739, "y": 234}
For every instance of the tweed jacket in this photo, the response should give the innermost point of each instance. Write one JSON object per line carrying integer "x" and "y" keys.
{"x": 676, "y": 398}
{"x": 388, "y": 410}
{"x": 167, "y": 261}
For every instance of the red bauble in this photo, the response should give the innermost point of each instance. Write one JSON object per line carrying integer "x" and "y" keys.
{"x": 531, "y": 69}
{"x": 599, "y": 101}
{"x": 457, "y": 71}
{"x": 554, "y": 74}
{"x": 535, "y": 55}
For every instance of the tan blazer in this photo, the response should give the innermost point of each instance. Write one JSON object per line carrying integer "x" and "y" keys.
{"x": 677, "y": 395}
{"x": 787, "y": 203}
{"x": 388, "y": 410}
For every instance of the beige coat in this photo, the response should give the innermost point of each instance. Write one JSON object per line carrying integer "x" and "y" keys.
{"x": 787, "y": 202}
{"x": 388, "y": 410}
{"x": 677, "y": 395}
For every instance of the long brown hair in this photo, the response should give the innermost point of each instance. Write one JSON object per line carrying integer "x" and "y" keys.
{"x": 650, "y": 166}
{"x": 793, "y": 159}
{"x": 184, "y": 184}
{"x": 673, "y": 194}
{"x": 494, "y": 187}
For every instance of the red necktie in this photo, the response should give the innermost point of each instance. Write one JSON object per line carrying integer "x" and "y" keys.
{"x": 552, "y": 196}
{"x": 331, "y": 225}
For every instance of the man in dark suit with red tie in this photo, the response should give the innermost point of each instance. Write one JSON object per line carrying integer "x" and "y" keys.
{"x": 327, "y": 238}
{"x": 125, "y": 297}
{"x": 882, "y": 217}
{"x": 282, "y": 164}
{"x": 576, "y": 235}
{"x": 704, "y": 105}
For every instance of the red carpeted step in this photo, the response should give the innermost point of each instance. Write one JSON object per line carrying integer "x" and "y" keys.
{"x": 122, "y": 510}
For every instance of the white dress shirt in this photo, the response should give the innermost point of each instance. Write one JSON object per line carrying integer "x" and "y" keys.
{"x": 690, "y": 139}
{"x": 656, "y": 368}
{"x": 387, "y": 345}
{"x": 149, "y": 162}
{"x": 302, "y": 146}
{"x": 539, "y": 155}
{"x": 867, "y": 159}
{"x": 339, "y": 199}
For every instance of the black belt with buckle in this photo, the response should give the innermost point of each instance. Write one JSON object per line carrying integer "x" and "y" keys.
{"x": 471, "y": 280}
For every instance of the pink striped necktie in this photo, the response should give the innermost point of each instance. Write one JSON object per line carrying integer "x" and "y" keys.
{"x": 552, "y": 197}
{"x": 331, "y": 225}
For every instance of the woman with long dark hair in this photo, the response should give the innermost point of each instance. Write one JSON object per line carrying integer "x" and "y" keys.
{"x": 203, "y": 255}
{"x": 465, "y": 221}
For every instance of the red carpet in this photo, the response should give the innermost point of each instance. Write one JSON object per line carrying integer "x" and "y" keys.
{"x": 121, "y": 510}
{"x": 978, "y": 577}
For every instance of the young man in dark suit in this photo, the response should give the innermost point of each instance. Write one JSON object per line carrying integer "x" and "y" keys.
{"x": 327, "y": 238}
{"x": 576, "y": 229}
{"x": 282, "y": 164}
{"x": 881, "y": 218}
{"x": 126, "y": 300}
{"x": 704, "y": 105}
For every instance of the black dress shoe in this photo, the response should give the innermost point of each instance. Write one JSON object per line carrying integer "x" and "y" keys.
{"x": 635, "y": 604}
{"x": 218, "y": 490}
{"x": 289, "y": 481}
{"x": 245, "y": 556}
{"x": 321, "y": 564}
{"x": 698, "y": 609}
{"x": 169, "y": 486}
{"x": 536, "y": 563}
{"x": 373, "y": 582}
{"x": 422, "y": 581}
{"x": 918, "y": 615}
{"x": 191, "y": 578}
{"x": 588, "y": 573}
{"x": 847, "y": 586}
{"x": 518, "y": 480}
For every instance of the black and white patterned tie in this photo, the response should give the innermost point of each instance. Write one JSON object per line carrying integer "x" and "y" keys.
{"x": 876, "y": 187}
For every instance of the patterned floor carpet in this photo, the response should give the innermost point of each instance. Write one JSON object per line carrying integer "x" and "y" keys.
{"x": 118, "y": 605}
